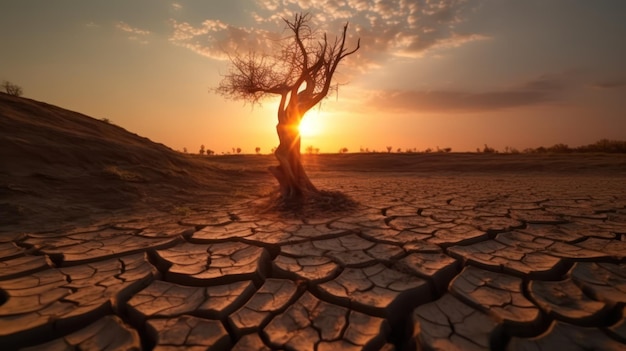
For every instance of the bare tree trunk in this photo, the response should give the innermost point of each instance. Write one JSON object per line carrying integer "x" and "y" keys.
{"x": 293, "y": 180}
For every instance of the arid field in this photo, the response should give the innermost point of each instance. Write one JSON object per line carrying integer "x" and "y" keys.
{"x": 111, "y": 241}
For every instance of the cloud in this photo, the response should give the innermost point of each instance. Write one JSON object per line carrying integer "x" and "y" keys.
{"x": 128, "y": 29}
{"x": 176, "y": 6}
{"x": 136, "y": 34}
{"x": 408, "y": 28}
{"x": 535, "y": 92}
{"x": 610, "y": 84}
{"x": 215, "y": 39}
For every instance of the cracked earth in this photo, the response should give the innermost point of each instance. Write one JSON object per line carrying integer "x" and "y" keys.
{"x": 446, "y": 263}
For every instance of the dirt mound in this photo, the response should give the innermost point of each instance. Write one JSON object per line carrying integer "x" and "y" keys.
{"x": 58, "y": 165}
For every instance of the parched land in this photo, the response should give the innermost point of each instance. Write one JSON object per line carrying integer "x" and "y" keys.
{"x": 477, "y": 262}
{"x": 442, "y": 251}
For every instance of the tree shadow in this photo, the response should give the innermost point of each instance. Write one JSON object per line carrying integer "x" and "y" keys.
{"x": 317, "y": 204}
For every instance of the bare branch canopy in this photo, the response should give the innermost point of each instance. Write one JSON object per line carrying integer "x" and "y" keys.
{"x": 304, "y": 61}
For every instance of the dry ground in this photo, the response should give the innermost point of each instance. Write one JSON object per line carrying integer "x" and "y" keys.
{"x": 108, "y": 240}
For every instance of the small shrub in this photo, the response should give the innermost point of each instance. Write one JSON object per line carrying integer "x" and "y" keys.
{"x": 560, "y": 148}
{"x": 12, "y": 89}
{"x": 124, "y": 175}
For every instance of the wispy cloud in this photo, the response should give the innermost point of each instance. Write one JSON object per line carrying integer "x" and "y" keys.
{"x": 215, "y": 39}
{"x": 544, "y": 89}
{"x": 176, "y": 6}
{"x": 135, "y": 33}
{"x": 610, "y": 84}
{"x": 386, "y": 27}
{"x": 129, "y": 29}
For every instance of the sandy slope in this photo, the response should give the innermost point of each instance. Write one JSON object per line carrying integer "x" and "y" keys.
{"x": 61, "y": 166}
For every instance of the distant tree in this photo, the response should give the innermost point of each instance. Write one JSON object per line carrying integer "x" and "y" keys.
{"x": 238, "y": 150}
{"x": 201, "y": 150}
{"x": 343, "y": 150}
{"x": 560, "y": 148}
{"x": 489, "y": 150}
{"x": 257, "y": 150}
{"x": 428, "y": 150}
{"x": 604, "y": 145}
{"x": 185, "y": 150}
{"x": 210, "y": 152}
{"x": 105, "y": 120}
{"x": 12, "y": 89}
{"x": 301, "y": 73}
{"x": 389, "y": 149}
{"x": 310, "y": 149}
{"x": 399, "y": 150}
{"x": 446, "y": 149}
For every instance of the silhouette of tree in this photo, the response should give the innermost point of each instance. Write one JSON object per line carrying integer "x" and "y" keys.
{"x": 257, "y": 150}
{"x": 238, "y": 150}
{"x": 201, "y": 150}
{"x": 301, "y": 74}
{"x": 343, "y": 150}
{"x": 185, "y": 150}
{"x": 12, "y": 89}
{"x": 560, "y": 148}
{"x": 489, "y": 150}
{"x": 389, "y": 149}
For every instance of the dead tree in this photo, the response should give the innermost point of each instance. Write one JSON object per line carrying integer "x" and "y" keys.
{"x": 301, "y": 73}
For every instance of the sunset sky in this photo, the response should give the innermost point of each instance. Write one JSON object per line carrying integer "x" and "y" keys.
{"x": 447, "y": 73}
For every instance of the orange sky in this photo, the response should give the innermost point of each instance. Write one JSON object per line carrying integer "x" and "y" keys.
{"x": 430, "y": 74}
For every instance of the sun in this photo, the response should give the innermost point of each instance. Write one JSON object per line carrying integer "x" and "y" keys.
{"x": 310, "y": 124}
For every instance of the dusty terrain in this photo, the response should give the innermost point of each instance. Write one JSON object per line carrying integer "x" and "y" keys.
{"x": 110, "y": 241}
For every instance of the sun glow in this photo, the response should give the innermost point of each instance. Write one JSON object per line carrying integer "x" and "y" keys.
{"x": 311, "y": 124}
